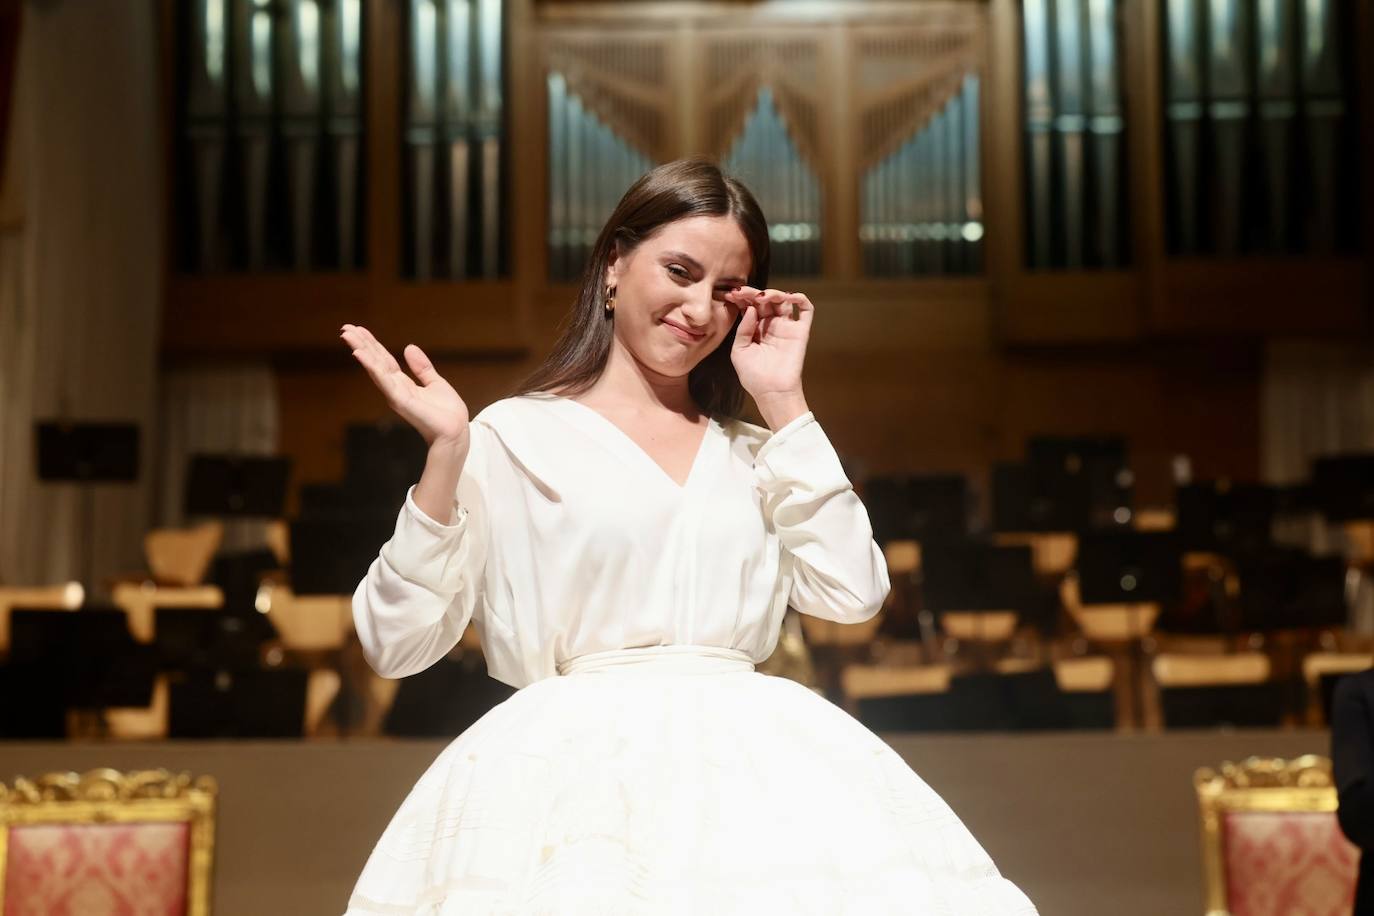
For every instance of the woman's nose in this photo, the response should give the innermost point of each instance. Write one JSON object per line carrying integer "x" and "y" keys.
{"x": 697, "y": 307}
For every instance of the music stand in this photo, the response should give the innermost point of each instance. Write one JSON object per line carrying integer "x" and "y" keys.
{"x": 980, "y": 579}
{"x": 1219, "y": 517}
{"x": 86, "y": 657}
{"x": 1098, "y": 466}
{"x": 190, "y": 639}
{"x": 239, "y": 704}
{"x": 921, "y": 508}
{"x": 382, "y": 462}
{"x": 86, "y": 454}
{"x": 241, "y": 486}
{"x": 1344, "y": 486}
{"x": 330, "y": 556}
{"x": 1030, "y": 498}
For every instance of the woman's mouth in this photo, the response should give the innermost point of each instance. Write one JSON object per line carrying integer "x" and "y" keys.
{"x": 682, "y": 333}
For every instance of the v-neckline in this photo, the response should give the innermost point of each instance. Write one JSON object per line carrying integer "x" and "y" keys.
{"x": 638, "y": 453}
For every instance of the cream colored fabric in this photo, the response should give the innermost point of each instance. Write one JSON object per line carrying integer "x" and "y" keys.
{"x": 568, "y": 539}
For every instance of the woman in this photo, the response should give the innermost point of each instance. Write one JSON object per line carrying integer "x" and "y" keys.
{"x": 627, "y": 549}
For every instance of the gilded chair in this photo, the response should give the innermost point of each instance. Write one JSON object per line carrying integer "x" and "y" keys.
{"x": 1270, "y": 842}
{"x": 107, "y": 842}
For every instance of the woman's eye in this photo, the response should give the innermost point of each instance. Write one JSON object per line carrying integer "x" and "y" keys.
{"x": 677, "y": 271}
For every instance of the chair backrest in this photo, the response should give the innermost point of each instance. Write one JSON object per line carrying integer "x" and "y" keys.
{"x": 181, "y": 556}
{"x": 1270, "y": 841}
{"x": 107, "y": 841}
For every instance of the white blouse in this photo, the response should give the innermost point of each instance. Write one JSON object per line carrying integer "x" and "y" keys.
{"x": 568, "y": 539}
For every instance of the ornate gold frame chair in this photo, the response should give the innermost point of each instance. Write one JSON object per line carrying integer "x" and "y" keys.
{"x": 1270, "y": 841}
{"x": 160, "y": 824}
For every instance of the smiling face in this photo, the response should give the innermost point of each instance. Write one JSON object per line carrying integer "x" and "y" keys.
{"x": 670, "y": 310}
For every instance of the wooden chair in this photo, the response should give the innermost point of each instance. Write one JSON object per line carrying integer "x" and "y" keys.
{"x": 66, "y": 597}
{"x": 916, "y": 690}
{"x": 1205, "y": 690}
{"x": 307, "y": 622}
{"x": 1052, "y": 552}
{"x": 1120, "y": 630}
{"x": 181, "y": 556}
{"x": 1155, "y": 519}
{"x": 1271, "y": 845}
{"x": 142, "y": 724}
{"x": 106, "y": 841}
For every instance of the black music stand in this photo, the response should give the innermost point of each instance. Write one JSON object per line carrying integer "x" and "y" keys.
{"x": 243, "y": 703}
{"x": 82, "y": 660}
{"x": 922, "y": 508}
{"x": 240, "y": 486}
{"x": 1344, "y": 486}
{"x": 331, "y": 555}
{"x": 978, "y": 578}
{"x": 86, "y": 454}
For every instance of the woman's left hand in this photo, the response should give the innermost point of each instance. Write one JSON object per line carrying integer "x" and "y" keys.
{"x": 770, "y": 347}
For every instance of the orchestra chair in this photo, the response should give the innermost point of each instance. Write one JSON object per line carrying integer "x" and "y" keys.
{"x": 1320, "y": 671}
{"x": 182, "y": 556}
{"x": 321, "y": 689}
{"x": 107, "y": 842}
{"x": 903, "y": 559}
{"x": 1052, "y": 552}
{"x": 307, "y": 623}
{"x": 140, "y": 601}
{"x": 1207, "y": 690}
{"x": 1120, "y": 630}
{"x": 68, "y": 596}
{"x": 132, "y": 723}
{"x": 1271, "y": 845}
{"x": 1360, "y": 537}
{"x": 1155, "y": 519}
{"x": 1088, "y": 683}
{"x": 279, "y": 541}
{"x": 891, "y": 697}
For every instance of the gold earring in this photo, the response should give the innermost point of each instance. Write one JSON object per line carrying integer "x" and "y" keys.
{"x": 610, "y": 299}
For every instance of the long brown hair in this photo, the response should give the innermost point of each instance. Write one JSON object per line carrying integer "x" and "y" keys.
{"x": 670, "y": 192}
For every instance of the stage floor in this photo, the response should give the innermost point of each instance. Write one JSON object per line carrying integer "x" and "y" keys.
{"x": 1084, "y": 823}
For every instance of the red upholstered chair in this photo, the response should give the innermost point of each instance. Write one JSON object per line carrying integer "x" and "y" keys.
{"x": 107, "y": 843}
{"x": 1270, "y": 842}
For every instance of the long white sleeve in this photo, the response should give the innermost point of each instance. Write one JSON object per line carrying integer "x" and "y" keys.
{"x": 421, "y": 592}
{"x": 839, "y": 573}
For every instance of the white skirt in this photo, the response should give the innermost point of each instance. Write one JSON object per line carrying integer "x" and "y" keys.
{"x": 675, "y": 780}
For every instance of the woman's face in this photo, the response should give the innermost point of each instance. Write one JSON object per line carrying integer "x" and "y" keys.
{"x": 670, "y": 310}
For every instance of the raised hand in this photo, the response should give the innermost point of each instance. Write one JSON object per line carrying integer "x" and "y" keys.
{"x": 770, "y": 347}
{"x": 431, "y": 406}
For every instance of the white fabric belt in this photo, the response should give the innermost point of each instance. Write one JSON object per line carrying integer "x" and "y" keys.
{"x": 661, "y": 660}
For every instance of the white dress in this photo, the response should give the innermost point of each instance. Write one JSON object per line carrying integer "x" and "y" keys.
{"x": 643, "y": 766}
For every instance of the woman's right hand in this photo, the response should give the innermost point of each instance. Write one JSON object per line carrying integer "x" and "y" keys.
{"x": 432, "y": 406}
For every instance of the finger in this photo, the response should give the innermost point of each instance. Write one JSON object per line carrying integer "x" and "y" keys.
{"x": 748, "y": 324}
{"x": 800, "y": 304}
{"x": 381, "y": 366}
{"x": 772, "y": 302}
{"x": 420, "y": 364}
{"x": 380, "y": 354}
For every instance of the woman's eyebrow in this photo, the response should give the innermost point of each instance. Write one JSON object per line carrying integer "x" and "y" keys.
{"x": 692, "y": 262}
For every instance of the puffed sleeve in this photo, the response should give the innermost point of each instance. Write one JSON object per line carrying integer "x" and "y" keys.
{"x": 421, "y": 591}
{"x": 839, "y": 573}
{"x": 1352, "y": 757}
